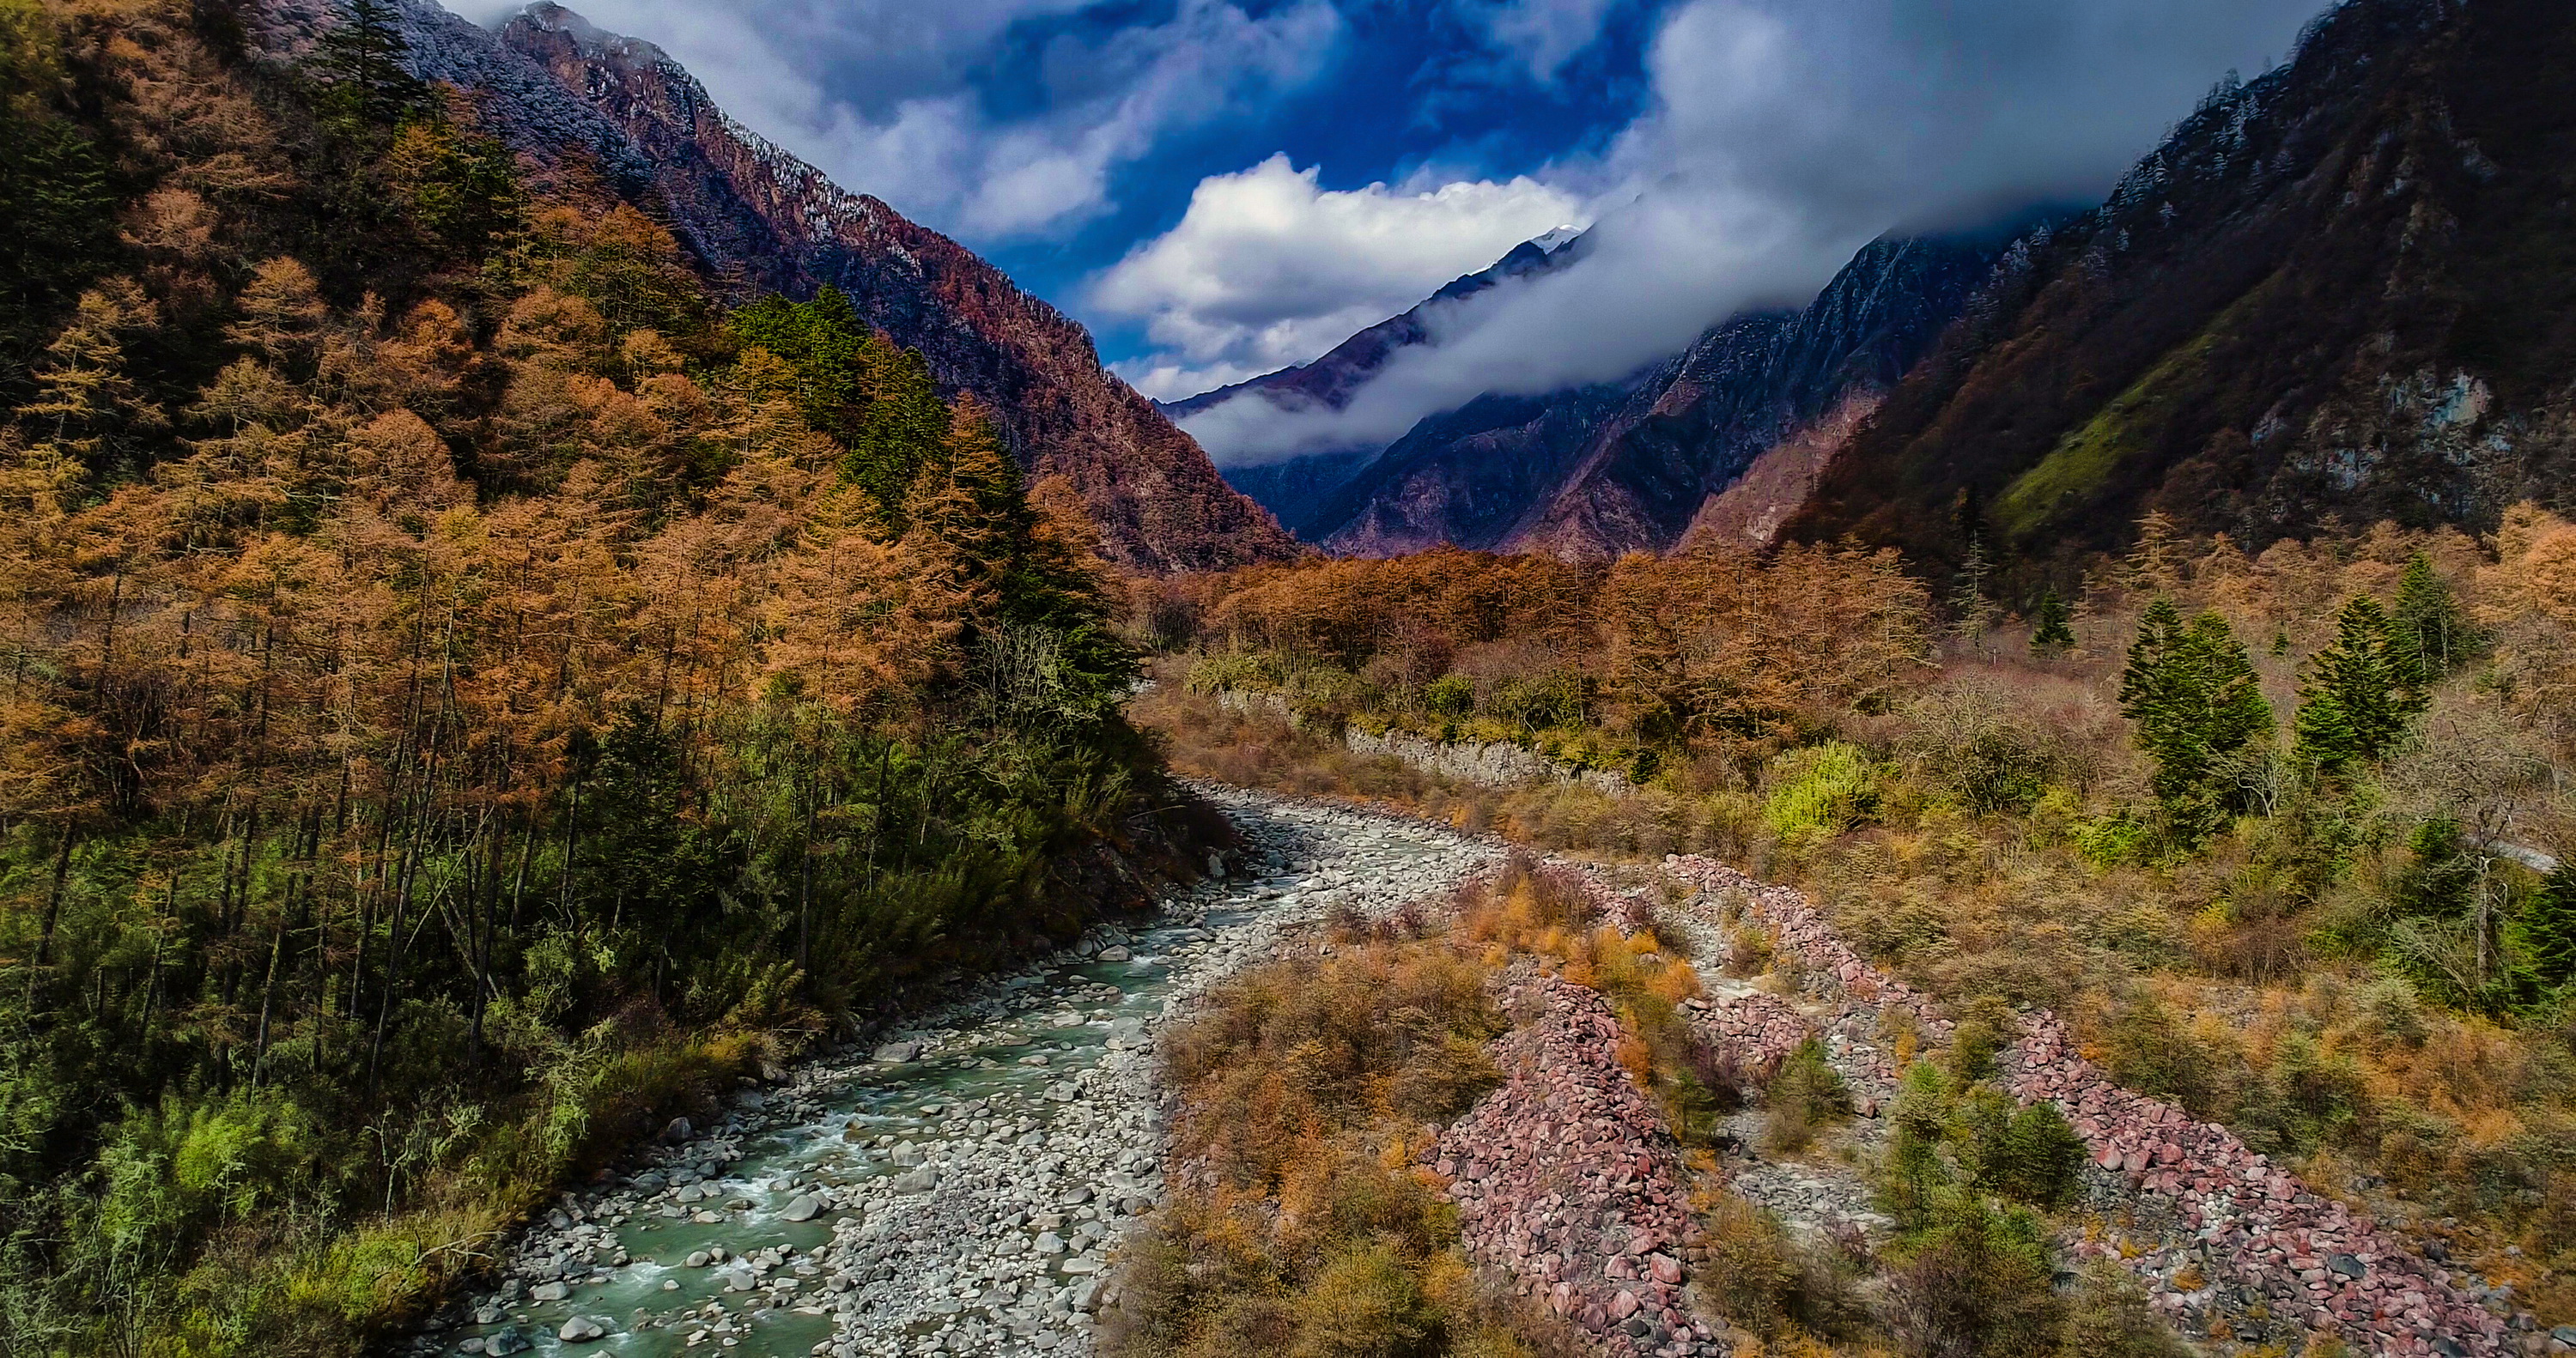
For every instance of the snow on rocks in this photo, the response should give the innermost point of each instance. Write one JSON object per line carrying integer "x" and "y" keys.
{"x": 2252, "y": 1230}
{"x": 1567, "y": 1181}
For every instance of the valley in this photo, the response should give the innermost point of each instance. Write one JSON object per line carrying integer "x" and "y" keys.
{"x": 609, "y": 746}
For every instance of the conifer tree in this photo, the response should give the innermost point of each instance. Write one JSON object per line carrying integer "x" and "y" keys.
{"x": 1972, "y": 601}
{"x": 2432, "y": 634}
{"x": 2051, "y": 632}
{"x": 2545, "y": 933}
{"x": 363, "y": 57}
{"x": 2192, "y": 691}
{"x": 2358, "y": 695}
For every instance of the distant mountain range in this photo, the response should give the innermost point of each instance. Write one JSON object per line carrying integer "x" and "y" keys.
{"x": 567, "y": 94}
{"x": 2347, "y": 288}
{"x": 1598, "y": 470}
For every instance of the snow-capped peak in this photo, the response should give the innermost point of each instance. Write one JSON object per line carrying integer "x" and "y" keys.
{"x": 1555, "y": 239}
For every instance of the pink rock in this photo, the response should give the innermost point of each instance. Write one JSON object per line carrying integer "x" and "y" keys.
{"x": 1667, "y": 1269}
{"x": 1623, "y": 1305}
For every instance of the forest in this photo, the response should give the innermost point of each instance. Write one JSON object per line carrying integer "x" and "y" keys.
{"x": 2282, "y": 834}
{"x": 469, "y": 686}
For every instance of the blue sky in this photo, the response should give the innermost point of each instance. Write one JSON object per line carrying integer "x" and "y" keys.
{"x": 1220, "y": 187}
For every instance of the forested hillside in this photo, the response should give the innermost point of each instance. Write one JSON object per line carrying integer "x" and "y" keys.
{"x": 463, "y": 689}
{"x": 2284, "y": 838}
{"x": 2339, "y": 289}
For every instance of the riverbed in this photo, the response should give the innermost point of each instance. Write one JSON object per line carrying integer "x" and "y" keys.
{"x": 959, "y": 1185}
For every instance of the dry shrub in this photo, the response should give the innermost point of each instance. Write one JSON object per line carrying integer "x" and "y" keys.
{"x": 1303, "y": 1084}
{"x": 1769, "y": 1285}
{"x": 1311, "y": 1047}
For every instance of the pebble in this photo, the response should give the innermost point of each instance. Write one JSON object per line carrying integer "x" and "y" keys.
{"x": 970, "y": 1224}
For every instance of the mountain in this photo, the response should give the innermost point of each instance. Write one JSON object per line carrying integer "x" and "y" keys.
{"x": 2346, "y": 290}
{"x": 1600, "y": 470}
{"x": 1294, "y": 488}
{"x": 559, "y": 89}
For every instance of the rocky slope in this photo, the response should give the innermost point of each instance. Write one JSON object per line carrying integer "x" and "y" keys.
{"x": 560, "y": 89}
{"x": 2344, "y": 288}
{"x": 1600, "y": 470}
{"x": 2224, "y": 1241}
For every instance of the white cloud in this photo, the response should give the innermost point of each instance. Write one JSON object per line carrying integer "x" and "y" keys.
{"x": 1544, "y": 34}
{"x": 1268, "y": 268}
{"x": 873, "y": 92}
{"x": 1784, "y": 134}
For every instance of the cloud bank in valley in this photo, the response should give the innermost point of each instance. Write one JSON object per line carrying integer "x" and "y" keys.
{"x": 1267, "y": 268}
{"x": 1783, "y": 135}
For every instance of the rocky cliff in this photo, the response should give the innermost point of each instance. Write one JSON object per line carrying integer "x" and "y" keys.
{"x": 2347, "y": 288}
{"x": 556, "y": 87}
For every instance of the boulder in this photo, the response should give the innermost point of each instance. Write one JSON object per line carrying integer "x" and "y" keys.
{"x": 1116, "y": 952}
{"x": 676, "y": 1131}
{"x": 802, "y": 1207}
{"x": 548, "y": 1292}
{"x": 898, "y": 1052}
{"x": 581, "y": 1330}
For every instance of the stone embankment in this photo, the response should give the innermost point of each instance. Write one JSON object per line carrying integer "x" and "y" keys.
{"x": 1487, "y": 763}
{"x": 1568, "y": 1182}
{"x": 2255, "y": 1241}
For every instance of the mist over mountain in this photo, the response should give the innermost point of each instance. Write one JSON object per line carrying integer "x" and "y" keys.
{"x": 2339, "y": 291}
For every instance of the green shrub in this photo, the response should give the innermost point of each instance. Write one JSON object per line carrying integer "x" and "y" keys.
{"x": 1450, "y": 695}
{"x": 1819, "y": 792}
{"x": 2108, "y": 1318}
{"x": 2029, "y": 1154}
{"x": 1236, "y": 670}
{"x": 1804, "y": 1096}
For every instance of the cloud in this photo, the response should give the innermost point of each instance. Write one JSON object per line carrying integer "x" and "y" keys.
{"x": 881, "y": 94}
{"x": 1543, "y": 34}
{"x": 1784, "y": 134}
{"x": 1267, "y": 268}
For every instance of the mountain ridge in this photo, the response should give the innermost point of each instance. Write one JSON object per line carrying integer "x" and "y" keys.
{"x": 2343, "y": 290}
{"x": 1608, "y": 468}
{"x": 554, "y": 86}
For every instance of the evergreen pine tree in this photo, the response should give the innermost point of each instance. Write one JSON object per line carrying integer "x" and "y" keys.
{"x": 2358, "y": 696}
{"x": 2051, "y": 633}
{"x": 2545, "y": 932}
{"x": 363, "y": 57}
{"x": 2192, "y": 691}
{"x": 1972, "y": 601}
{"x": 2432, "y": 635}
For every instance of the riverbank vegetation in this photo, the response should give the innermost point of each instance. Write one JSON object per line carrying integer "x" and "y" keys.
{"x": 466, "y": 688}
{"x": 2275, "y": 831}
{"x": 1298, "y": 1223}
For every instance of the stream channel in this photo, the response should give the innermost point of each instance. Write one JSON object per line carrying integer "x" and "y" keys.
{"x": 957, "y": 1187}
